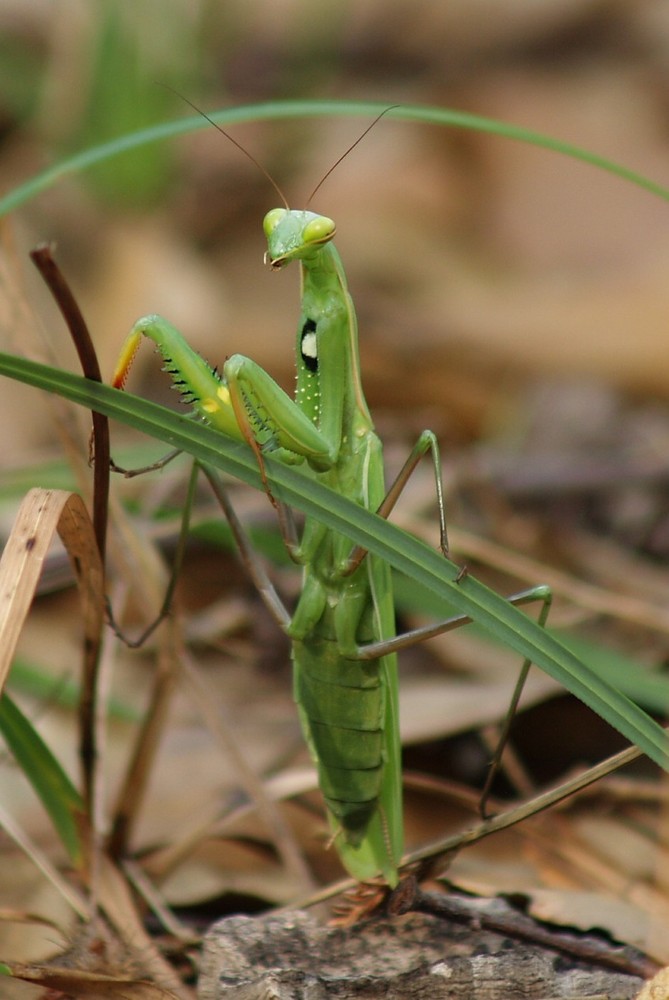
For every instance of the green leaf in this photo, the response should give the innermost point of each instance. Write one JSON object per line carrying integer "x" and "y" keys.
{"x": 31, "y": 679}
{"x": 404, "y": 552}
{"x": 55, "y": 790}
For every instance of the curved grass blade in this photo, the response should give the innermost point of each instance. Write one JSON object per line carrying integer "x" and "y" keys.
{"x": 282, "y": 110}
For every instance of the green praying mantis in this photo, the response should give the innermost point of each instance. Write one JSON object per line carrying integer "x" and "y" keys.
{"x": 344, "y": 646}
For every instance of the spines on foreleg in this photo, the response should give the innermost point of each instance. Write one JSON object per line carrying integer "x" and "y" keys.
{"x": 197, "y": 382}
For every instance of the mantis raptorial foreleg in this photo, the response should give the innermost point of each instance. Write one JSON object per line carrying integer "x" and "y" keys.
{"x": 342, "y": 629}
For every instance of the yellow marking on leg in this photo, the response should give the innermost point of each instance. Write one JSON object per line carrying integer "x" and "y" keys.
{"x": 126, "y": 358}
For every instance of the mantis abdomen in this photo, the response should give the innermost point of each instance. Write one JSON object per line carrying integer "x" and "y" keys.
{"x": 341, "y": 705}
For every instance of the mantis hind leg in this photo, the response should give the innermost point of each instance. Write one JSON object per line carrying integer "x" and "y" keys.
{"x": 545, "y": 595}
{"x": 542, "y": 594}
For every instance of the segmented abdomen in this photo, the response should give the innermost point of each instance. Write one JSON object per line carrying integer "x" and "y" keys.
{"x": 341, "y": 706}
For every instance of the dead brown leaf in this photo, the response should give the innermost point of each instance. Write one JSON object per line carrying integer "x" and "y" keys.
{"x": 90, "y": 985}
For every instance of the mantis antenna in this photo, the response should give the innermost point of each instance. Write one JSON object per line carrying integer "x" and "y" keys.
{"x": 259, "y": 165}
{"x": 239, "y": 146}
{"x": 343, "y": 156}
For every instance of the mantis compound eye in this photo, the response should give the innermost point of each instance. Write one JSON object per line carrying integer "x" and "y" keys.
{"x": 319, "y": 230}
{"x": 272, "y": 220}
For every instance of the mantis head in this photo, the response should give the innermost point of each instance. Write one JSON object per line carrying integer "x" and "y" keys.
{"x": 294, "y": 235}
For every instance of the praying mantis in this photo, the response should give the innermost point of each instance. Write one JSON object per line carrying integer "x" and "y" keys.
{"x": 344, "y": 646}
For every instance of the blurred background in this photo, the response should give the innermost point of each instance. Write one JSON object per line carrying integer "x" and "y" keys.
{"x": 475, "y": 262}
{"x": 513, "y": 300}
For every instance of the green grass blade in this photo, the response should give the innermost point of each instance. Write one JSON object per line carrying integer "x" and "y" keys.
{"x": 32, "y": 680}
{"x": 404, "y": 552}
{"x": 55, "y": 790}
{"x": 282, "y": 110}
